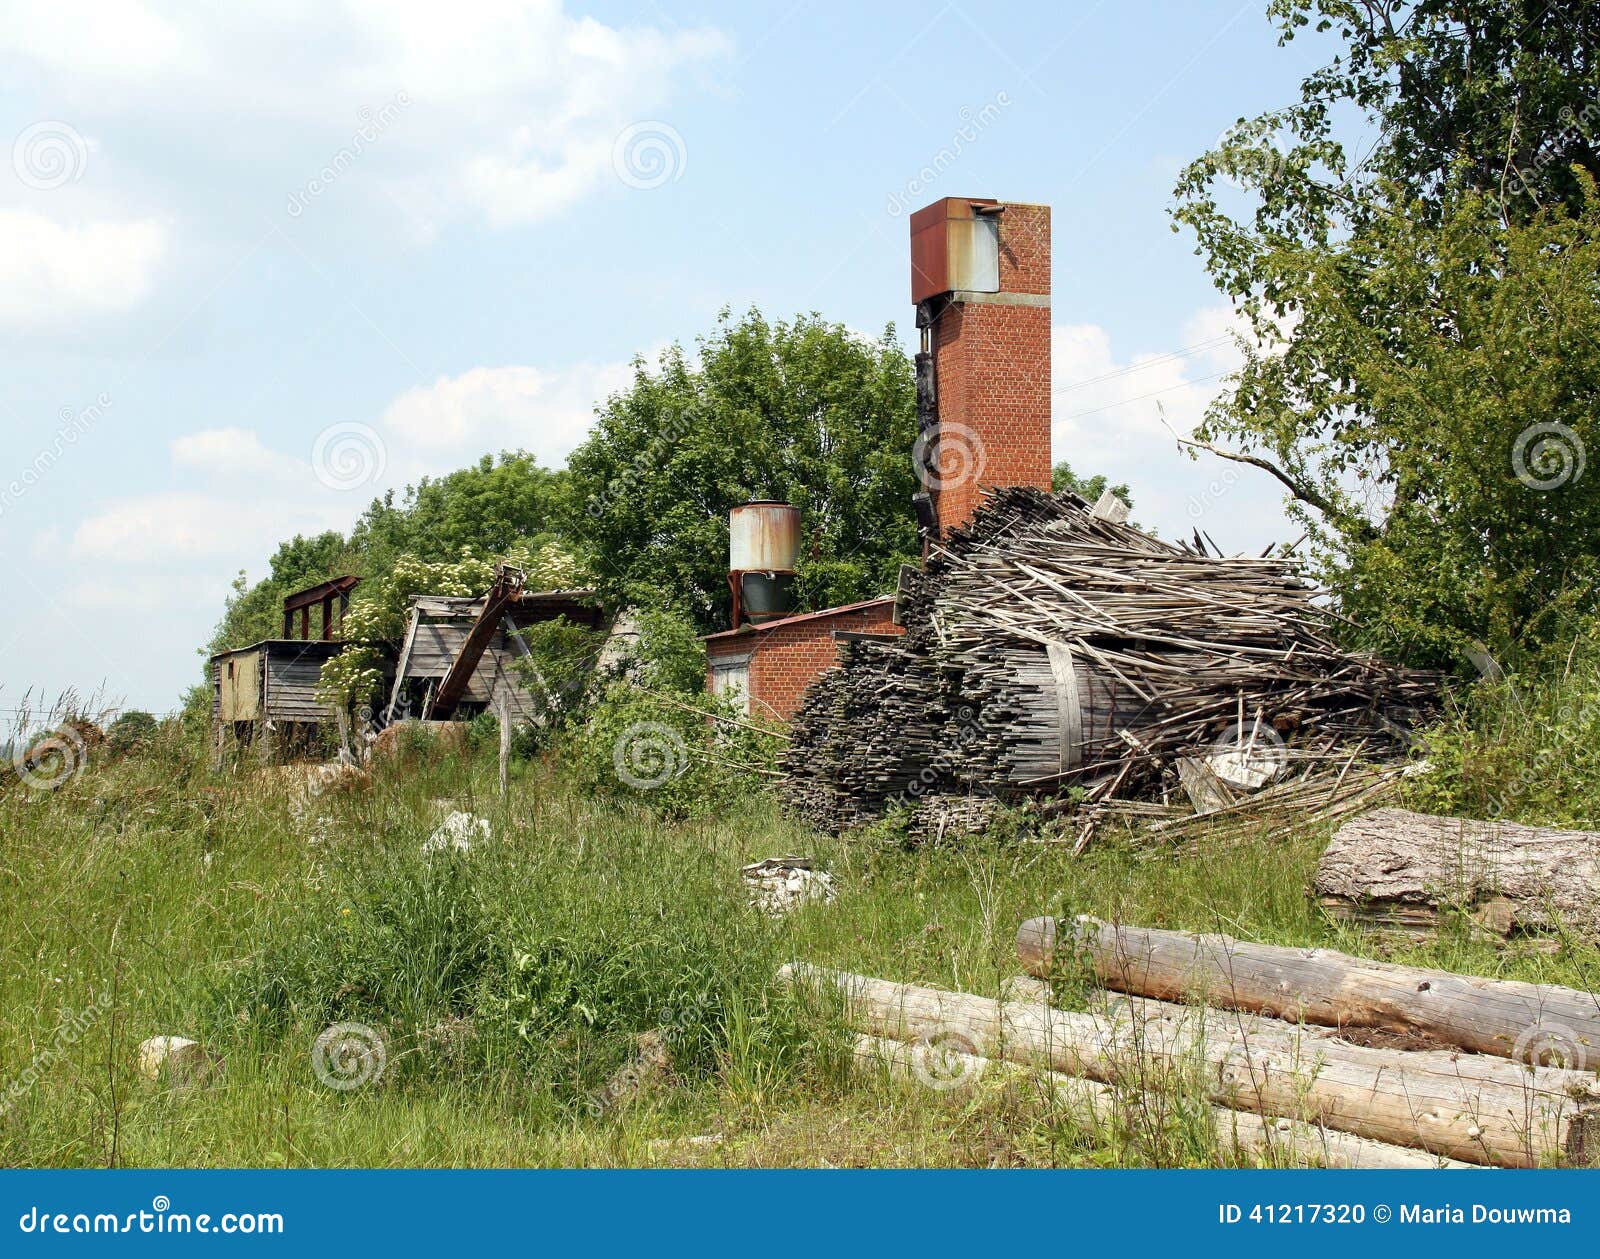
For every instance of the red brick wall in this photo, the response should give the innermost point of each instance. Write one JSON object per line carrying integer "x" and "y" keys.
{"x": 992, "y": 366}
{"x": 787, "y": 659}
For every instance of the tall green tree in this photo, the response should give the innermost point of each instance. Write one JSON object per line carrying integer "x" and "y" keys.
{"x": 1411, "y": 244}
{"x": 805, "y": 411}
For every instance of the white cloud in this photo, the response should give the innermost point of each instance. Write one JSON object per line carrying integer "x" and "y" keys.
{"x": 237, "y": 497}
{"x": 547, "y": 413}
{"x": 511, "y": 107}
{"x": 50, "y": 272}
{"x": 1121, "y": 414}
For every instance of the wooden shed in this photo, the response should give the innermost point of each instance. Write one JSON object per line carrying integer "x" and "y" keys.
{"x": 438, "y": 629}
{"x": 268, "y": 689}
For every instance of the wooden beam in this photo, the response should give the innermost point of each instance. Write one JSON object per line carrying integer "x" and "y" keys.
{"x": 1542, "y": 1024}
{"x": 1463, "y": 1106}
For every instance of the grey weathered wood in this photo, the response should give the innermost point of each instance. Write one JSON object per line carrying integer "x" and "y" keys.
{"x": 1535, "y": 1023}
{"x": 1395, "y": 867}
{"x": 1465, "y": 1106}
{"x": 1240, "y": 1132}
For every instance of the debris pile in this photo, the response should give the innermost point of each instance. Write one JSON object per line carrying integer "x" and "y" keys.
{"x": 1049, "y": 645}
{"x": 780, "y": 884}
{"x": 456, "y": 833}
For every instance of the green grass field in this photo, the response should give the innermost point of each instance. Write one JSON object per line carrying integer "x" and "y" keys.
{"x": 510, "y": 983}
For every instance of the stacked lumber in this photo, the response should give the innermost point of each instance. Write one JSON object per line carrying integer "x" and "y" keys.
{"x": 1472, "y": 1108}
{"x": 1060, "y": 648}
{"x": 1396, "y": 868}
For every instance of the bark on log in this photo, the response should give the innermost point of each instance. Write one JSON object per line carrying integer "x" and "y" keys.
{"x": 1248, "y": 1136}
{"x": 1393, "y": 867}
{"x": 1533, "y": 1023}
{"x": 1465, "y": 1106}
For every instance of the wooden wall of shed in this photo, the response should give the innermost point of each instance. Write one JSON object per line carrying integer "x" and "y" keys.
{"x": 291, "y": 685}
{"x": 239, "y": 686}
{"x": 435, "y": 646}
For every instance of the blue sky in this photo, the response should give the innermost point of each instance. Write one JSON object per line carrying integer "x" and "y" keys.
{"x": 257, "y": 265}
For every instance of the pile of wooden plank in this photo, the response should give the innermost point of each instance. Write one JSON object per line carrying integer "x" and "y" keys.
{"x": 1333, "y": 1058}
{"x": 1049, "y": 645}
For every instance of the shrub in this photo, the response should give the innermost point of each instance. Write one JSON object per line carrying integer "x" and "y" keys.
{"x": 1524, "y": 747}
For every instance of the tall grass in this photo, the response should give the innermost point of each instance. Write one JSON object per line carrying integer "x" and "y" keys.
{"x": 511, "y": 983}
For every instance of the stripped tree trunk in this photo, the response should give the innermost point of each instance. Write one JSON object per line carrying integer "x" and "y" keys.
{"x": 1246, "y": 1135}
{"x": 1393, "y": 867}
{"x": 1465, "y": 1106}
{"x": 1534, "y": 1023}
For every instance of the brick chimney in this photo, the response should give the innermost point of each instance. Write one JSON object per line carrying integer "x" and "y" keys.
{"x": 980, "y": 278}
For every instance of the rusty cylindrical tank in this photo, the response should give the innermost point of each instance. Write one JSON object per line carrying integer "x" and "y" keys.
{"x": 763, "y": 547}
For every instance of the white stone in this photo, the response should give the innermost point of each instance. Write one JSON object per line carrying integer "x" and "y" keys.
{"x": 457, "y": 832}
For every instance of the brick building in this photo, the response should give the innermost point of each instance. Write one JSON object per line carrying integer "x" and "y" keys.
{"x": 980, "y": 278}
{"x": 769, "y": 666}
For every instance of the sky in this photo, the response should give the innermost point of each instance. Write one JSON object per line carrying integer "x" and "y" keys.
{"x": 260, "y": 263}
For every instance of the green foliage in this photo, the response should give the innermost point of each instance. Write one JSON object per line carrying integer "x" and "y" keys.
{"x": 559, "y": 670}
{"x": 1062, "y": 477}
{"x": 1524, "y": 747}
{"x": 670, "y": 754}
{"x": 131, "y": 729}
{"x": 806, "y": 412}
{"x": 493, "y": 506}
{"x": 535, "y": 955}
{"x": 1423, "y": 320}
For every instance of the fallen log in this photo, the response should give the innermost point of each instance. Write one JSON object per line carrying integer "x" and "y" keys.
{"x": 1395, "y": 868}
{"x": 1543, "y": 1025}
{"x": 1245, "y": 1134}
{"x": 1475, "y": 1108}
